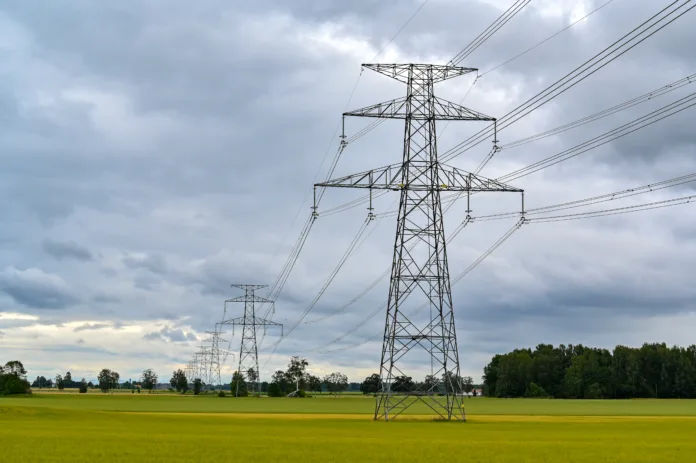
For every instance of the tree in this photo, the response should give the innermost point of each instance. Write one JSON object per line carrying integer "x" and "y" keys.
{"x": 336, "y": 382}
{"x": 297, "y": 369}
{"x": 14, "y": 367}
{"x": 403, "y": 384}
{"x": 105, "y": 379}
{"x": 282, "y": 384}
{"x": 13, "y": 379}
{"x": 179, "y": 382}
{"x": 432, "y": 384}
{"x": 67, "y": 380}
{"x": 90, "y": 385}
{"x": 115, "y": 377}
{"x": 274, "y": 390}
{"x": 252, "y": 377}
{"x": 238, "y": 387}
{"x": 314, "y": 384}
{"x": 197, "y": 386}
{"x": 83, "y": 386}
{"x": 149, "y": 379}
{"x": 468, "y": 384}
{"x": 371, "y": 384}
{"x": 60, "y": 382}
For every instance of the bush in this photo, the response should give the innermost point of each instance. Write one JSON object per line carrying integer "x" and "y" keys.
{"x": 534, "y": 390}
{"x": 221, "y": 394}
{"x": 12, "y": 384}
{"x": 274, "y": 390}
{"x": 83, "y": 388}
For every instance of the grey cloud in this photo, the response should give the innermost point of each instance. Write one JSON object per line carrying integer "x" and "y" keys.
{"x": 154, "y": 263}
{"x": 182, "y": 148}
{"x": 36, "y": 289}
{"x": 66, "y": 250}
{"x": 170, "y": 334}
{"x": 80, "y": 341}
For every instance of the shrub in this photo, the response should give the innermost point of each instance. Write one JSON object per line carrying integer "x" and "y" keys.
{"x": 83, "y": 388}
{"x": 274, "y": 390}
{"x": 221, "y": 394}
{"x": 12, "y": 384}
{"x": 534, "y": 390}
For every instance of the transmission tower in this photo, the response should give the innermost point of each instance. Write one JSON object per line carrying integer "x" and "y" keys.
{"x": 420, "y": 274}
{"x": 248, "y": 351}
{"x": 215, "y": 358}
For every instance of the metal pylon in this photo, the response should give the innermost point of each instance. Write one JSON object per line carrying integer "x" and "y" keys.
{"x": 419, "y": 328}
{"x": 248, "y": 351}
{"x": 215, "y": 357}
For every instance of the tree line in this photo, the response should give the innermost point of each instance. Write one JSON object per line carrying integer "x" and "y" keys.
{"x": 449, "y": 382}
{"x": 579, "y": 372}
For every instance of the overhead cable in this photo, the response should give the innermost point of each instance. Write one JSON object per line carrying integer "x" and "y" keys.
{"x": 548, "y": 38}
{"x": 635, "y": 37}
{"x": 503, "y": 19}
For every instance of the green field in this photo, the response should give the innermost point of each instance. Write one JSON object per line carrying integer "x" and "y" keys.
{"x": 69, "y": 427}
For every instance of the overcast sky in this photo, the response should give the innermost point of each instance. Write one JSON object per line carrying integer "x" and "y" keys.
{"x": 154, "y": 152}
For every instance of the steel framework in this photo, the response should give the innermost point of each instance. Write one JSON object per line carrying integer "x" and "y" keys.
{"x": 248, "y": 351}
{"x": 420, "y": 275}
{"x": 215, "y": 358}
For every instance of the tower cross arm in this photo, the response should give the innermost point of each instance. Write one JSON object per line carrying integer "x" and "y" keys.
{"x": 249, "y": 299}
{"x": 441, "y": 110}
{"x": 392, "y": 178}
{"x": 401, "y": 72}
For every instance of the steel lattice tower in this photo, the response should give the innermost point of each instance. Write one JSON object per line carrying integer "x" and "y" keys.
{"x": 248, "y": 351}
{"x": 214, "y": 362}
{"x": 420, "y": 274}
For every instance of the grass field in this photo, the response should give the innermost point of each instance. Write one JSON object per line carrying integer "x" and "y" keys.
{"x": 190, "y": 429}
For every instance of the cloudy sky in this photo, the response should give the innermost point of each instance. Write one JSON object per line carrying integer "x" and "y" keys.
{"x": 154, "y": 152}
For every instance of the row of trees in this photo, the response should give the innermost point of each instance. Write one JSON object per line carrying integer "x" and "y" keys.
{"x": 13, "y": 379}
{"x": 651, "y": 371}
{"x": 295, "y": 379}
{"x": 106, "y": 381}
{"x": 448, "y": 383}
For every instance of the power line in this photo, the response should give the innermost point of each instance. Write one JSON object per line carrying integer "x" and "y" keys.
{"x": 456, "y": 280}
{"x": 604, "y": 113}
{"x": 400, "y": 29}
{"x": 643, "y": 31}
{"x": 548, "y": 38}
{"x": 321, "y": 292}
{"x": 503, "y": 19}
{"x": 651, "y": 118}
{"x": 618, "y": 210}
{"x": 627, "y": 193}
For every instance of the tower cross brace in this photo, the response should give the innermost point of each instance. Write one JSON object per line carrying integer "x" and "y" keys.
{"x": 250, "y": 323}
{"x": 420, "y": 271}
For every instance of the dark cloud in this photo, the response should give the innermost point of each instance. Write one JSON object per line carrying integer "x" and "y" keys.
{"x": 36, "y": 289}
{"x": 66, "y": 250}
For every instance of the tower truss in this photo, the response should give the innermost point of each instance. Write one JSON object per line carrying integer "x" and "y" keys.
{"x": 250, "y": 324}
{"x": 420, "y": 274}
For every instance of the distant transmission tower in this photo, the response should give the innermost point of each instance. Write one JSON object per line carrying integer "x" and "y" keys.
{"x": 215, "y": 358}
{"x": 248, "y": 352}
{"x": 420, "y": 274}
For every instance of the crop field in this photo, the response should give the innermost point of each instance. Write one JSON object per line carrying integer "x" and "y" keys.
{"x": 170, "y": 428}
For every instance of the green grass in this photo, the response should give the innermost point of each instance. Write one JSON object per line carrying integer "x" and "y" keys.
{"x": 64, "y": 428}
{"x": 347, "y": 405}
